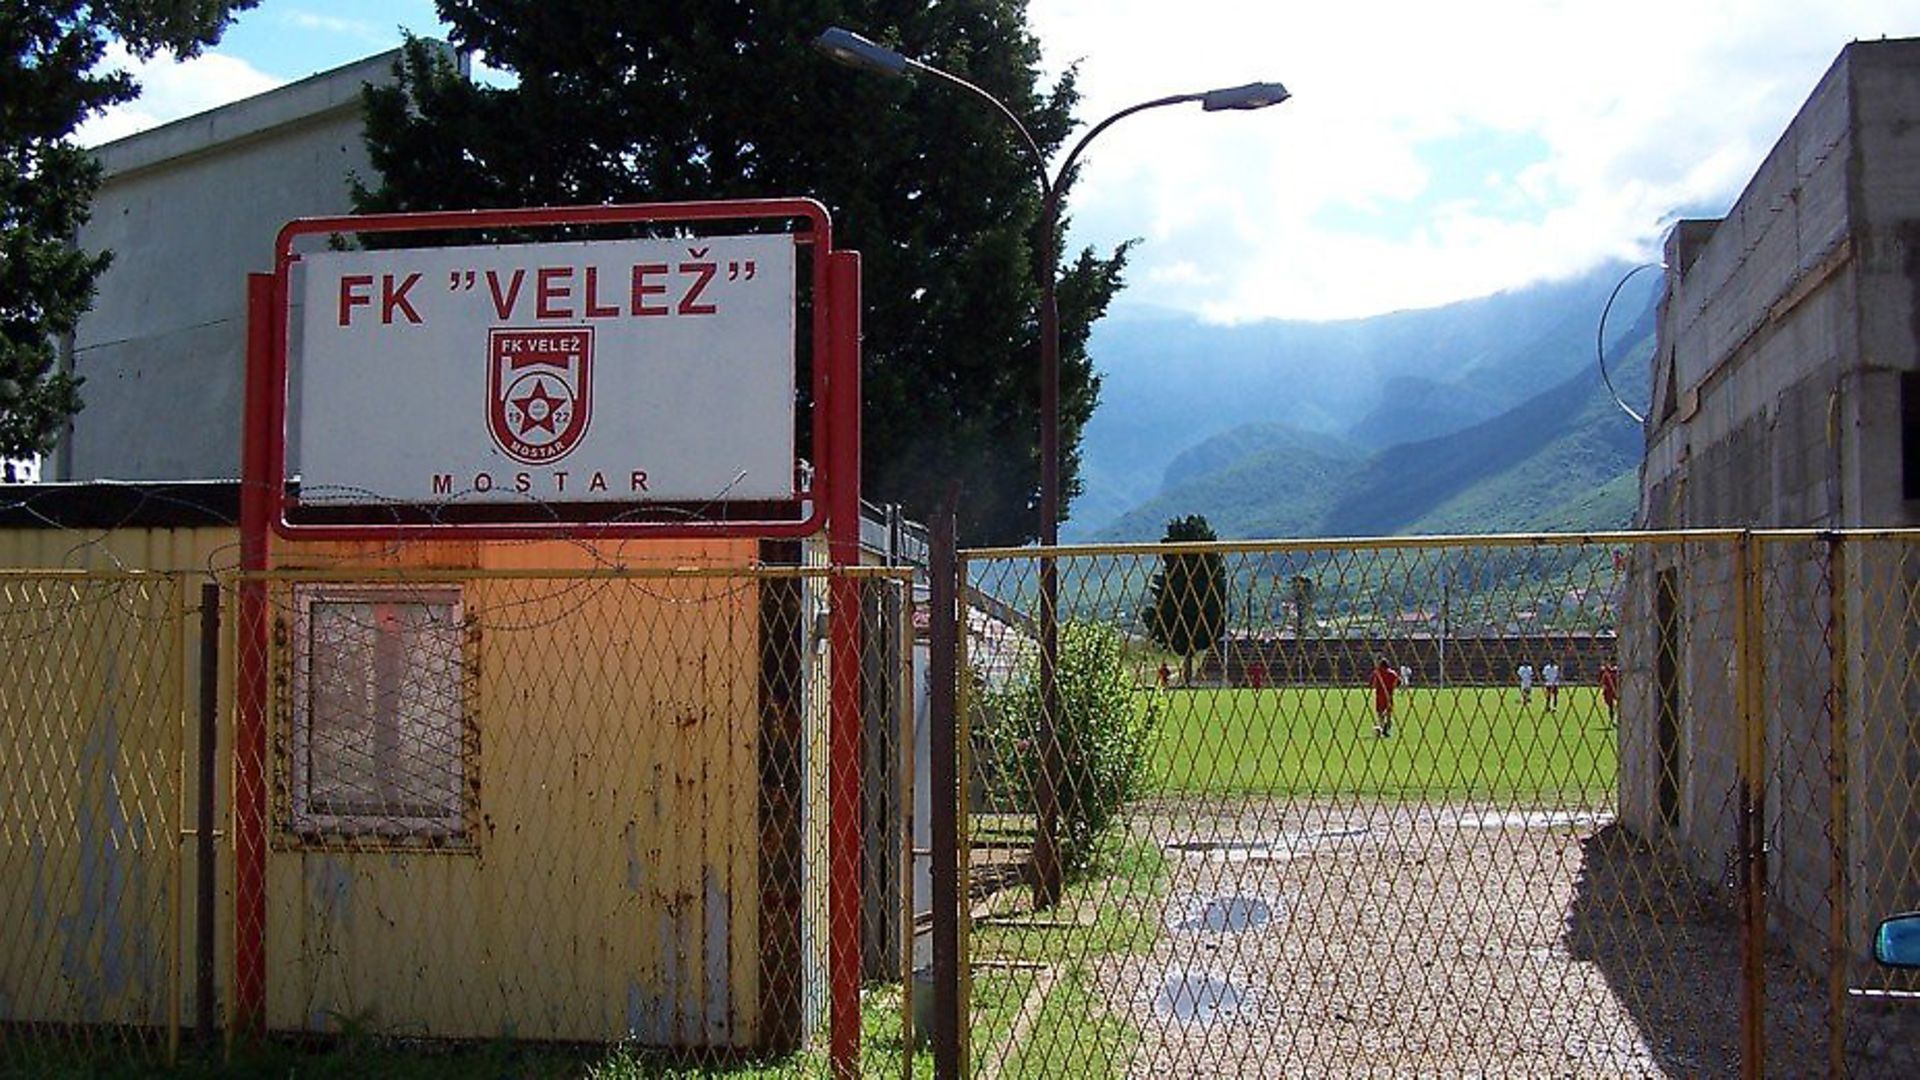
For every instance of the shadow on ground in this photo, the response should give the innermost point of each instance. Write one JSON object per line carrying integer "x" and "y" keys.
{"x": 1668, "y": 945}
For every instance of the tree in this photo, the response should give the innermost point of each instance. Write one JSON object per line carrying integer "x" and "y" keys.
{"x": 50, "y": 82}
{"x": 1186, "y": 610}
{"x": 1105, "y": 731}
{"x": 688, "y": 99}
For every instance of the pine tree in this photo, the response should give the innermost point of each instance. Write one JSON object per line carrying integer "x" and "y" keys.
{"x": 689, "y": 99}
{"x": 51, "y": 81}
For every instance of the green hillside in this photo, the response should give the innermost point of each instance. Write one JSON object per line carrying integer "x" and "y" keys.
{"x": 1277, "y": 487}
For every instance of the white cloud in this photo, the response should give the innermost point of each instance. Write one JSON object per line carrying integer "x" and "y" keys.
{"x": 1351, "y": 199}
{"x": 171, "y": 89}
{"x": 1621, "y": 114}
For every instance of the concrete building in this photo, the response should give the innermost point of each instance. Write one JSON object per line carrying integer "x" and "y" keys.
{"x": 189, "y": 209}
{"x": 1787, "y": 395}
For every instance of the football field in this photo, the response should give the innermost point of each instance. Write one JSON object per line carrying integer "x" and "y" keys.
{"x": 1469, "y": 743}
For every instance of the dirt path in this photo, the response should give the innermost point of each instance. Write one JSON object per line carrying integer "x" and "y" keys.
{"x": 1368, "y": 939}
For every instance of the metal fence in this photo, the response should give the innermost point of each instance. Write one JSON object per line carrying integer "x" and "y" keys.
{"x": 94, "y": 735}
{"x": 560, "y": 807}
{"x": 1533, "y": 805}
{"x": 570, "y": 802}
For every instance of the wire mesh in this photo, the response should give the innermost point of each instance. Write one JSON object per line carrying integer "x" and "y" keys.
{"x": 1843, "y": 808}
{"x": 1472, "y": 807}
{"x": 585, "y": 811}
{"x": 588, "y": 807}
{"x": 584, "y": 804}
{"x": 92, "y": 738}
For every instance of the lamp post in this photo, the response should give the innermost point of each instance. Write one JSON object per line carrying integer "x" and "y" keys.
{"x": 856, "y": 51}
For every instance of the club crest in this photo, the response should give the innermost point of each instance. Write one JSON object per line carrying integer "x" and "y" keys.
{"x": 539, "y": 391}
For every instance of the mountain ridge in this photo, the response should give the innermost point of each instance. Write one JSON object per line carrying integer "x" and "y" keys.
{"x": 1433, "y": 454}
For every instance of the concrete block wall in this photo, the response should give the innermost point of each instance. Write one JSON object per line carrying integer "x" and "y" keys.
{"x": 189, "y": 209}
{"x": 1784, "y": 335}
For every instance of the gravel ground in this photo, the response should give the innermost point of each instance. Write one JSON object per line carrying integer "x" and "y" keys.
{"x": 1391, "y": 940}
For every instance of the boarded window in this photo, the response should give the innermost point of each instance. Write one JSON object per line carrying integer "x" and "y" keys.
{"x": 381, "y": 731}
{"x": 1910, "y": 434}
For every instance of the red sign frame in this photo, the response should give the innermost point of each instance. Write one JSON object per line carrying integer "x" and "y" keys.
{"x": 835, "y": 368}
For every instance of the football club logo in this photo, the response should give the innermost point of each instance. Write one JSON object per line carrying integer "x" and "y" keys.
{"x": 539, "y": 391}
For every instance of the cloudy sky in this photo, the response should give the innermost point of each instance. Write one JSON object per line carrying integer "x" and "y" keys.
{"x": 1432, "y": 151}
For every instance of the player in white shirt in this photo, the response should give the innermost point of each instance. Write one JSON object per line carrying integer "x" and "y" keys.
{"x": 1526, "y": 682}
{"x": 1550, "y": 679}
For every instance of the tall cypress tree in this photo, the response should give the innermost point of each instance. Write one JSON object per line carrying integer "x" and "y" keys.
{"x": 51, "y": 81}
{"x": 696, "y": 99}
{"x": 1186, "y": 611}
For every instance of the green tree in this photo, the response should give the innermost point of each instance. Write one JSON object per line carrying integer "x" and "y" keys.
{"x": 689, "y": 99}
{"x": 51, "y": 81}
{"x": 1186, "y": 610}
{"x": 1105, "y": 731}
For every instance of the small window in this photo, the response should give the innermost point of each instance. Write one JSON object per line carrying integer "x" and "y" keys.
{"x": 1910, "y": 434}
{"x": 382, "y": 735}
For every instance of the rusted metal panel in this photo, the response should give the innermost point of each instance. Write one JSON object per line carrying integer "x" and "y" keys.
{"x": 92, "y": 735}
{"x": 613, "y": 875}
{"x": 613, "y": 885}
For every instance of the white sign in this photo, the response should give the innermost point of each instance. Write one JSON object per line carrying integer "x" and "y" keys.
{"x": 630, "y": 370}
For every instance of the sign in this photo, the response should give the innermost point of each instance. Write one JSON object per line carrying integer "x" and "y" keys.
{"x": 630, "y": 370}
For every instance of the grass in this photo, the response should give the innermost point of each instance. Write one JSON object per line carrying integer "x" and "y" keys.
{"x": 1121, "y": 894}
{"x": 997, "y": 999}
{"x": 1467, "y": 743}
{"x": 1114, "y": 910}
{"x": 1074, "y": 1036}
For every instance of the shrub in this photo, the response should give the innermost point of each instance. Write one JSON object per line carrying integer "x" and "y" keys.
{"x": 1104, "y": 730}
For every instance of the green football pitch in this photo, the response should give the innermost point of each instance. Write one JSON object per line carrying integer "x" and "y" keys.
{"x": 1468, "y": 744}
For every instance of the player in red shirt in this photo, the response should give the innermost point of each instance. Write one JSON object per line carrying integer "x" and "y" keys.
{"x": 1610, "y": 690}
{"x": 1385, "y": 680}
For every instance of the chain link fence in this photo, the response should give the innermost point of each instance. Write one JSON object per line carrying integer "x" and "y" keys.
{"x": 94, "y": 736}
{"x": 1619, "y": 805}
{"x": 1476, "y": 806}
{"x": 584, "y": 807}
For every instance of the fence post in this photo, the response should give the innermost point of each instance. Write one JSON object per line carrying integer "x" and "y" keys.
{"x": 260, "y": 495}
{"x": 1839, "y": 751}
{"x": 1047, "y": 874}
{"x": 844, "y": 907}
{"x": 1749, "y": 628}
{"x": 204, "y": 891}
{"x": 901, "y": 597}
{"x": 944, "y": 626}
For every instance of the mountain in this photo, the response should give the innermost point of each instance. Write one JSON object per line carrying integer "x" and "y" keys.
{"x": 1282, "y": 483}
{"x": 1564, "y": 458}
{"x": 1173, "y": 384}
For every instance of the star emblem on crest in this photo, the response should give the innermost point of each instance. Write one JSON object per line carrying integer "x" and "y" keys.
{"x": 538, "y": 409}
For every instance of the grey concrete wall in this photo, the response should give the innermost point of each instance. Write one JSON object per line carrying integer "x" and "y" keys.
{"x": 1887, "y": 242}
{"x": 1755, "y": 311}
{"x": 1782, "y": 338}
{"x": 188, "y": 209}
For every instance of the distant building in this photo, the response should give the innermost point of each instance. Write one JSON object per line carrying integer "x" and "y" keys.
{"x": 189, "y": 209}
{"x": 1786, "y": 393}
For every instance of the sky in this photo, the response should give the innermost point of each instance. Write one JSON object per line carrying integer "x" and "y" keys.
{"x": 1432, "y": 152}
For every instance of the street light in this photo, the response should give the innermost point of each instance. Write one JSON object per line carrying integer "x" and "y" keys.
{"x": 859, "y": 52}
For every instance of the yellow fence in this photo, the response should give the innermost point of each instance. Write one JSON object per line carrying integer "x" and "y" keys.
{"x": 94, "y": 724}
{"x": 555, "y": 806}
{"x": 1545, "y": 805}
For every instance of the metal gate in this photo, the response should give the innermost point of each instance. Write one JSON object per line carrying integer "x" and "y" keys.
{"x": 1626, "y": 804}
